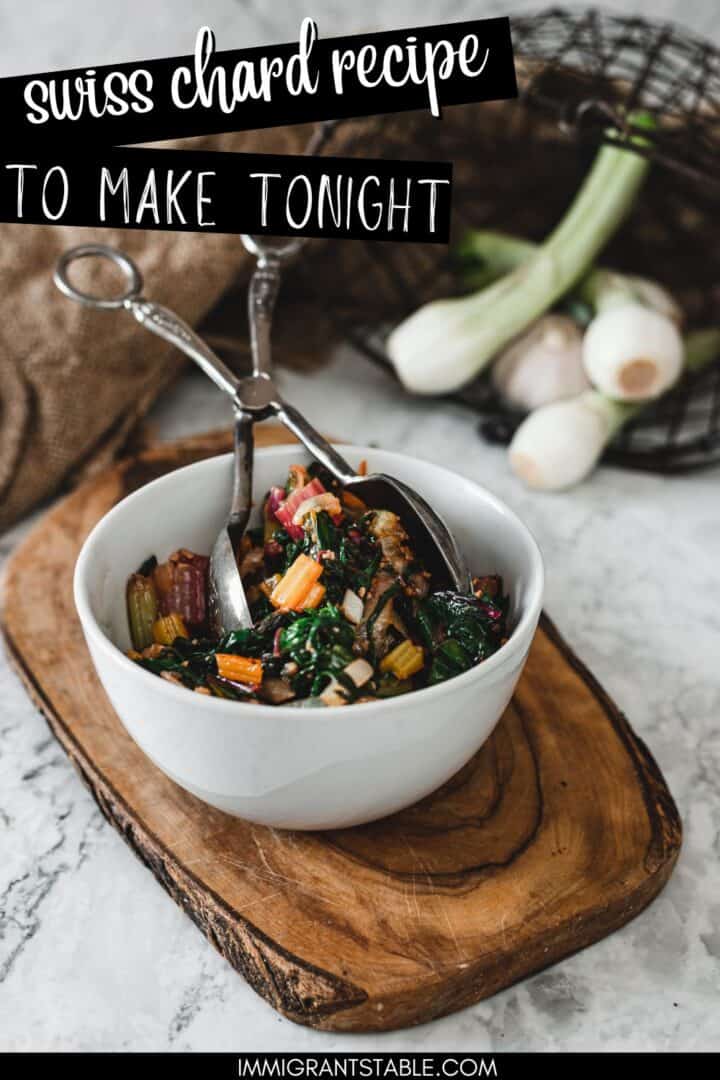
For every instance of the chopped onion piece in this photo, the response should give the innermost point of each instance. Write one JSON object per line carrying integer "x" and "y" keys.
{"x": 359, "y": 671}
{"x": 333, "y": 694}
{"x": 326, "y": 501}
{"x": 352, "y": 607}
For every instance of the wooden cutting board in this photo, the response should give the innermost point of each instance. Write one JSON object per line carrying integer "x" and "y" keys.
{"x": 560, "y": 830}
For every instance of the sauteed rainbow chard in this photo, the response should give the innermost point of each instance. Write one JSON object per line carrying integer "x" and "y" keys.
{"x": 343, "y": 611}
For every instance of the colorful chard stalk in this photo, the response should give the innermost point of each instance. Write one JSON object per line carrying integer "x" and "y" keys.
{"x": 299, "y": 587}
{"x": 286, "y": 510}
{"x": 271, "y": 525}
{"x": 405, "y": 660}
{"x": 239, "y": 669}
{"x": 142, "y": 609}
{"x": 168, "y": 628}
{"x": 181, "y": 583}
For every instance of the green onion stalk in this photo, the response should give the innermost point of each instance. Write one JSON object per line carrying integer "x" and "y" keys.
{"x": 484, "y": 256}
{"x": 632, "y": 348}
{"x": 447, "y": 342}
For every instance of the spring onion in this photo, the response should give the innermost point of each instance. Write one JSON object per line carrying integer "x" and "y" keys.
{"x": 632, "y": 353}
{"x": 632, "y": 349}
{"x": 558, "y": 445}
{"x": 445, "y": 343}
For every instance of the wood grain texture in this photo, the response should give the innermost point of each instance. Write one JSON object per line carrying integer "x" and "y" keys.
{"x": 559, "y": 831}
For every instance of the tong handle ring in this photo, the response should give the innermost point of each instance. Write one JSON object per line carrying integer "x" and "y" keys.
{"x": 130, "y": 272}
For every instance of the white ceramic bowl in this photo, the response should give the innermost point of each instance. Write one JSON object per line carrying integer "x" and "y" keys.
{"x": 310, "y": 768}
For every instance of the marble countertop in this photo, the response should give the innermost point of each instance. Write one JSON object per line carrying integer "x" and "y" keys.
{"x": 94, "y": 955}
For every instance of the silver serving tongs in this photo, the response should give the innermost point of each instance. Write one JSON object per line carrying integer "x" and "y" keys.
{"x": 255, "y": 397}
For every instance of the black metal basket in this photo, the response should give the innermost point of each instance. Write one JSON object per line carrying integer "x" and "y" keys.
{"x": 578, "y": 72}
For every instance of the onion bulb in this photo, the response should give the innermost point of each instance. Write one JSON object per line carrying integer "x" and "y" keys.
{"x": 334, "y": 693}
{"x": 650, "y": 294}
{"x": 352, "y": 607}
{"x": 485, "y": 256}
{"x": 542, "y": 365}
{"x": 557, "y": 446}
{"x": 632, "y": 353}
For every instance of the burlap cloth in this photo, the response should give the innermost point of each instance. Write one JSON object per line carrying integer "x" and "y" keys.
{"x": 75, "y": 382}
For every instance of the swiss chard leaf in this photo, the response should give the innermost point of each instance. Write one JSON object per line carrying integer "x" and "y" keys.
{"x": 459, "y": 630}
{"x": 320, "y": 643}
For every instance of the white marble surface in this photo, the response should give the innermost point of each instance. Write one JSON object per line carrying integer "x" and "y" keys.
{"x": 93, "y": 954}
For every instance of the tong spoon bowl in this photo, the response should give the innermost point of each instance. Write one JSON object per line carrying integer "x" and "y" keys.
{"x": 256, "y": 397}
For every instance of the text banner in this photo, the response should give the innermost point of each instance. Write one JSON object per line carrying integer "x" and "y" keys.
{"x": 245, "y": 89}
{"x": 211, "y": 191}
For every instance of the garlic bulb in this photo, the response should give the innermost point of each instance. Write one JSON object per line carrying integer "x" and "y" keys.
{"x": 632, "y": 353}
{"x": 542, "y": 365}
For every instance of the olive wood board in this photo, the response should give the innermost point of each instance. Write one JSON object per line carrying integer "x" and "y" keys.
{"x": 559, "y": 831}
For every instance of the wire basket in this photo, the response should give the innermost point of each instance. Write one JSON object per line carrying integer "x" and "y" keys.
{"x": 579, "y": 73}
